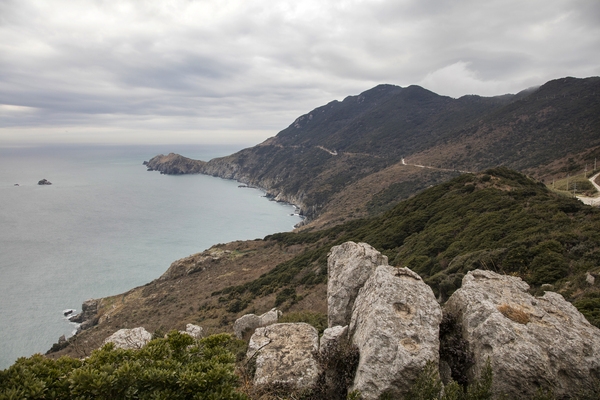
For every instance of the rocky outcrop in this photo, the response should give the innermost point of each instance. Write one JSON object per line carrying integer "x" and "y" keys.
{"x": 395, "y": 325}
{"x": 531, "y": 342}
{"x": 284, "y": 355}
{"x": 249, "y": 322}
{"x": 348, "y": 267}
{"x": 44, "y": 182}
{"x": 88, "y": 316}
{"x": 174, "y": 164}
{"x": 129, "y": 339}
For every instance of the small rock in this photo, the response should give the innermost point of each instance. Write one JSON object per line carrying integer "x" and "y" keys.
{"x": 249, "y": 322}
{"x": 135, "y": 338}
{"x": 331, "y": 336}
{"x": 589, "y": 278}
{"x": 194, "y": 331}
{"x": 44, "y": 182}
{"x": 547, "y": 287}
{"x": 285, "y": 355}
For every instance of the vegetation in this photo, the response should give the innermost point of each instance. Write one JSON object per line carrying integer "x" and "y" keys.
{"x": 499, "y": 220}
{"x": 175, "y": 367}
{"x": 428, "y": 386}
{"x": 332, "y": 146}
{"x": 318, "y": 320}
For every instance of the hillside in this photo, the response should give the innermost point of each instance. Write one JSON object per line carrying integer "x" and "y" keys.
{"x": 498, "y": 220}
{"x": 335, "y": 151}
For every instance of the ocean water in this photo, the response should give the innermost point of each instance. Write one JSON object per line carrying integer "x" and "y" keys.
{"x": 104, "y": 226}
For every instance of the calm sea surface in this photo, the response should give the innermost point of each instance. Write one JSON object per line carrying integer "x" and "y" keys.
{"x": 104, "y": 226}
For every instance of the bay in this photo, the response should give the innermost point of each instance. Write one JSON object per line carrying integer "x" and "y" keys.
{"x": 104, "y": 226}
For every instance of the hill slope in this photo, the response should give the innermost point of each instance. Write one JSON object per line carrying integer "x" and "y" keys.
{"x": 499, "y": 220}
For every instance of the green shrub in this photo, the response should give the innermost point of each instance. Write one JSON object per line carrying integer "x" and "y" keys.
{"x": 318, "y": 320}
{"x": 175, "y": 367}
{"x": 428, "y": 386}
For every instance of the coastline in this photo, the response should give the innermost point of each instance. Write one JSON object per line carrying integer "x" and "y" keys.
{"x": 127, "y": 228}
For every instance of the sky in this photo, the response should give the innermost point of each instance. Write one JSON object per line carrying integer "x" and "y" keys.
{"x": 239, "y": 71}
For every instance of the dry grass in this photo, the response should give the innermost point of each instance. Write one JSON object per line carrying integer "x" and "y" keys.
{"x": 514, "y": 314}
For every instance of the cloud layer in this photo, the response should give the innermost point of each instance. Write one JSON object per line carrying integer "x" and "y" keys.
{"x": 187, "y": 71}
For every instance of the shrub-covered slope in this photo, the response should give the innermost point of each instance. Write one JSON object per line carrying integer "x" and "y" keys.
{"x": 499, "y": 220}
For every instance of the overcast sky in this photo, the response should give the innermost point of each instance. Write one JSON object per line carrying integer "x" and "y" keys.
{"x": 239, "y": 71}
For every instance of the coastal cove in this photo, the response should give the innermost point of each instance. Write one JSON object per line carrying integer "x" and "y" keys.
{"x": 106, "y": 225}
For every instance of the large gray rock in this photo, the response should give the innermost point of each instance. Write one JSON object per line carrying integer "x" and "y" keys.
{"x": 349, "y": 266}
{"x": 249, "y": 322}
{"x": 531, "y": 342}
{"x": 285, "y": 355}
{"x": 395, "y": 325}
{"x": 135, "y": 338}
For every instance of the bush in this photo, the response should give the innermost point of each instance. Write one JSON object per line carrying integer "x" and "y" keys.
{"x": 428, "y": 386}
{"x": 175, "y": 367}
{"x": 318, "y": 320}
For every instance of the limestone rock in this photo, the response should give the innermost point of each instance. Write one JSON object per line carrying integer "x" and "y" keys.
{"x": 135, "y": 338}
{"x": 331, "y": 336}
{"x": 249, "y": 322}
{"x": 349, "y": 266}
{"x": 530, "y": 342}
{"x": 285, "y": 355}
{"x": 395, "y": 325}
{"x": 589, "y": 278}
{"x": 194, "y": 331}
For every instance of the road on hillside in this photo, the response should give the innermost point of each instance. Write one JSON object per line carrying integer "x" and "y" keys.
{"x": 591, "y": 201}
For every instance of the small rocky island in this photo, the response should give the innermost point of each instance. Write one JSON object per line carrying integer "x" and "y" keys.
{"x": 44, "y": 182}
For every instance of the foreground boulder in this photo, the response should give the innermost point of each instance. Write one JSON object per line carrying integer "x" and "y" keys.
{"x": 249, "y": 322}
{"x": 348, "y": 267}
{"x": 395, "y": 325}
{"x": 129, "y": 339}
{"x": 284, "y": 355}
{"x": 531, "y": 342}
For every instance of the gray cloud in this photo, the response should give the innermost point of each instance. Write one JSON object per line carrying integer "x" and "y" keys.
{"x": 210, "y": 71}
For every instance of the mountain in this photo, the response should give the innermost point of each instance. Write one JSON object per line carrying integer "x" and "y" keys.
{"x": 370, "y": 138}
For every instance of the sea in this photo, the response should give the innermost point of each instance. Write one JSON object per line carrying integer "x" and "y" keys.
{"x": 104, "y": 226}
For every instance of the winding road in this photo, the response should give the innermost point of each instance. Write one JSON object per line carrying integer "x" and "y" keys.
{"x": 591, "y": 201}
